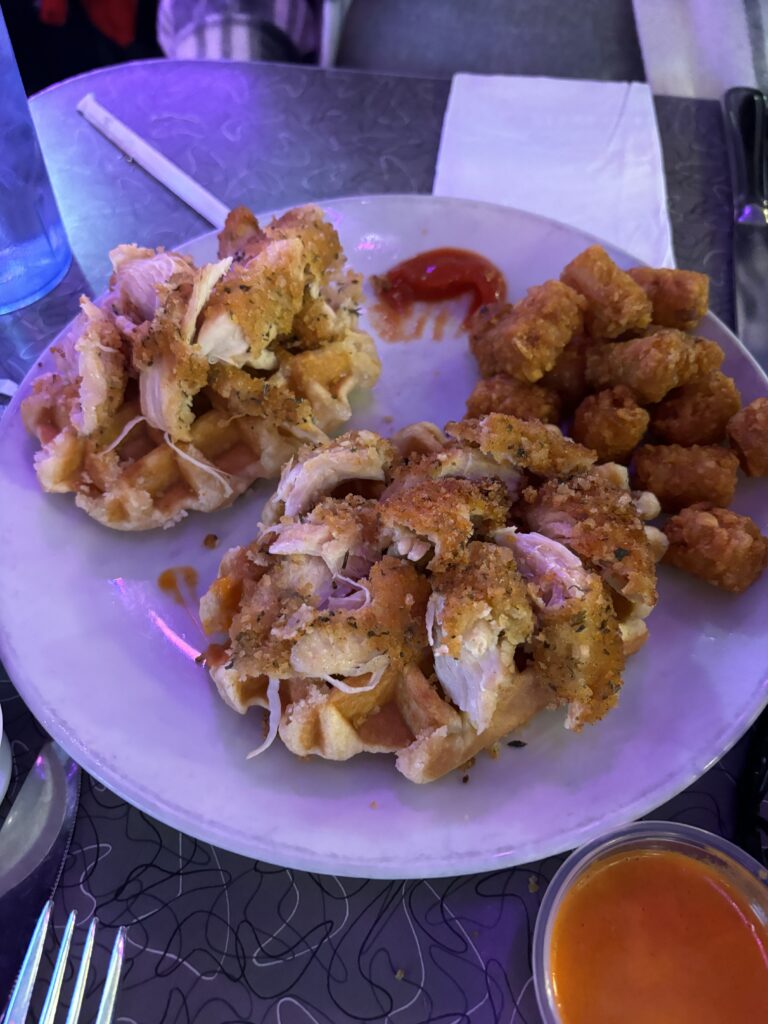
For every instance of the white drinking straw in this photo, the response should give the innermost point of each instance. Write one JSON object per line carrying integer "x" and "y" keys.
{"x": 153, "y": 162}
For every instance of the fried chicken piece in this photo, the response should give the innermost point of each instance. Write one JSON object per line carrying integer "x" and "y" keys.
{"x": 568, "y": 377}
{"x": 102, "y": 373}
{"x": 615, "y": 303}
{"x": 318, "y": 472}
{"x": 252, "y": 305}
{"x": 505, "y": 394}
{"x": 141, "y": 279}
{"x": 322, "y": 249}
{"x": 684, "y": 476}
{"x": 442, "y": 516}
{"x": 241, "y": 237}
{"x": 524, "y": 340}
{"x": 477, "y": 616}
{"x": 680, "y": 298}
{"x": 538, "y": 447}
{"x": 610, "y": 422}
{"x": 650, "y": 367}
{"x": 748, "y": 434}
{"x": 599, "y": 522}
{"x": 698, "y": 412}
{"x": 422, "y": 438}
{"x": 344, "y": 532}
{"x": 717, "y": 545}
{"x": 456, "y": 461}
{"x": 327, "y": 376}
{"x": 577, "y": 646}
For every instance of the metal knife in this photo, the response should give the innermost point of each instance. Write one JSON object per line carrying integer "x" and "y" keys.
{"x": 746, "y": 117}
{"x": 34, "y": 842}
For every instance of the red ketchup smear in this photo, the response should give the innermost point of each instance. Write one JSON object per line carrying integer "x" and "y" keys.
{"x": 443, "y": 274}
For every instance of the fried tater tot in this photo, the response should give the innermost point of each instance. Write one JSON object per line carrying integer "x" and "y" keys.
{"x": 524, "y": 340}
{"x": 568, "y": 377}
{"x": 698, "y": 412}
{"x": 650, "y": 367}
{"x": 717, "y": 545}
{"x": 505, "y": 394}
{"x": 680, "y": 298}
{"x": 707, "y": 357}
{"x": 748, "y": 434}
{"x": 684, "y": 476}
{"x": 611, "y": 422}
{"x": 615, "y": 303}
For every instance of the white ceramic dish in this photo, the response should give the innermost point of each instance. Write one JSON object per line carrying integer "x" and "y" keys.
{"x": 105, "y": 660}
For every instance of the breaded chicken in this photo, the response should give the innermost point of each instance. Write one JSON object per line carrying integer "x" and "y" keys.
{"x": 440, "y": 517}
{"x": 537, "y": 447}
{"x": 317, "y": 472}
{"x": 698, "y": 412}
{"x": 684, "y": 476}
{"x": 241, "y": 237}
{"x": 680, "y": 298}
{"x": 252, "y": 305}
{"x": 576, "y": 648}
{"x": 524, "y": 340}
{"x": 344, "y": 532}
{"x": 650, "y": 367}
{"x": 615, "y": 303}
{"x": 141, "y": 279}
{"x": 477, "y": 616}
{"x": 599, "y": 522}
{"x": 423, "y": 438}
{"x": 611, "y": 423}
{"x": 748, "y": 434}
{"x": 717, "y": 545}
{"x": 505, "y": 394}
{"x": 456, "y": 461}
{"x": 323, "y": 254}
{"x": 568, "y": 377}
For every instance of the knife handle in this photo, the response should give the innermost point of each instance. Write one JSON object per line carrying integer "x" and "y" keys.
{"x": 745, "y": 126}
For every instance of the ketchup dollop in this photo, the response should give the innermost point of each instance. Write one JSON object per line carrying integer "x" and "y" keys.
{"x": 443, "y": 274}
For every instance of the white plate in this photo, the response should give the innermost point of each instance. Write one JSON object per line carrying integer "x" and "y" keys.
{"x": 104, "y": 660}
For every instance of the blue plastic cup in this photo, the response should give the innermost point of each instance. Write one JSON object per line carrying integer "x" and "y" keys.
{"x": 34, "y": 251}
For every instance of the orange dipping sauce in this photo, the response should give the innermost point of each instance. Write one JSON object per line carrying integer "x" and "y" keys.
{"x": 657, "y": 937}
{"x": 443, "y": 274}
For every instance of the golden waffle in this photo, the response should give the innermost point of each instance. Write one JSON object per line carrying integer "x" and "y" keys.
{"x": 185, "y": 385}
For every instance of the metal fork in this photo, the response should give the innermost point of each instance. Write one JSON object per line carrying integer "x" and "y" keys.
{"x": 22, "y": 991}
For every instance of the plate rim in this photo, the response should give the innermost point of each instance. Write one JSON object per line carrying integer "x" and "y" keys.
{"x": 303, "y": 858}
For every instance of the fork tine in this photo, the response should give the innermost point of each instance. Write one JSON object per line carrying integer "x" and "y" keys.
{"x": 54, "y": 989}
{"x": 109, "y": 995}
{"x": 22, "y": 990}
{"x": 82, "y": 976}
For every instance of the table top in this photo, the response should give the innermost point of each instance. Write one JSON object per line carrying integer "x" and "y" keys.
{"x": 213, "y": 936}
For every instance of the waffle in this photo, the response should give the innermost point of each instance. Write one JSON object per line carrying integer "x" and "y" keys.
{"x": 184, "y": 385}
{"x": 393, "y": 601}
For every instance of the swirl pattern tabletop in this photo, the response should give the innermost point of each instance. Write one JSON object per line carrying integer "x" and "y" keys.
{"x": 214, "y": 937}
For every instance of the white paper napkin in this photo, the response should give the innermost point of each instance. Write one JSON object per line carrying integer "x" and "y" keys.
{"x": 585, "y": 153}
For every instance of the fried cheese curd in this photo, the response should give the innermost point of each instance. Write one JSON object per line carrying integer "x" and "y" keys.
{"x": 717, "y": 545}
{"x": 615, "y": 303}
{"x": 514, "y": 398}
{"x": 524, "y": 340}
{"x": 611, "y": 422}
{"x": 423, "y": 623}
{"x": 679, "y": 298}
{"x": 698, "y": 412}
{"x": 748, "y": 434}
{"x": 186, "y": 384}
{"x": 681, "y": 476}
